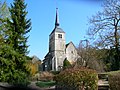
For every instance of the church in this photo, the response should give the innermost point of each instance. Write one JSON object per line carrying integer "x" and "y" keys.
{"x": 58, "y": 49}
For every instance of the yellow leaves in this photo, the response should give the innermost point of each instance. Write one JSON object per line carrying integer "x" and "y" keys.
{"x": 33, "y": 68}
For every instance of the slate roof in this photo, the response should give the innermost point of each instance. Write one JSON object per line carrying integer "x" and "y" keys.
{"x": 57, "y": 29}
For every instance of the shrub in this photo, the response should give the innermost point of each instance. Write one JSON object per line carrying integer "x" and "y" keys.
{"x": 66, "y": 64}
{"x": 55, "y": 72}
{"x": 114, "y": 81}
{"x": 33, "y": 69}
{"x": 46, "y": 76}
{"x": 20, "y": 79}
{"x": 74, "y": 79}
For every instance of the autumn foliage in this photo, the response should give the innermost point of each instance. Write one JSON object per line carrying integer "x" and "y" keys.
{"x": 77, "y": 79}
{"x": 33, "y": 69}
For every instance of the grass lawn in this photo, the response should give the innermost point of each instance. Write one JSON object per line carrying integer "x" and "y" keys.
{"x": 45, "y": 84}
{"x": 111, "y": 72}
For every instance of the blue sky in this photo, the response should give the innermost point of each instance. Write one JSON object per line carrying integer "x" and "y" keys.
{"x": 73, "y": 18}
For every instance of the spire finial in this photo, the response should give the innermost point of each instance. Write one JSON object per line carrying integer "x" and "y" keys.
{"x": 57, "y": 20}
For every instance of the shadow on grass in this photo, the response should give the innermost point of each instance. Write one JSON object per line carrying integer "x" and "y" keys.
{"x": 16, "y": 88}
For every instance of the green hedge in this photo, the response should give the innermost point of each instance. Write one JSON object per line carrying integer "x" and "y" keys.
{"x": 77, "y": 79}
{"x": 114, "y": 80}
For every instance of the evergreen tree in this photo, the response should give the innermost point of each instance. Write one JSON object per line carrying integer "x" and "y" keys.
{"x": 14, "y": 49}
{"x": 19, "y": 27}
{"x": 66, "y": 64}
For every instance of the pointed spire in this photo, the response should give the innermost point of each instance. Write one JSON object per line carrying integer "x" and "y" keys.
{"x": 57, "y": 19}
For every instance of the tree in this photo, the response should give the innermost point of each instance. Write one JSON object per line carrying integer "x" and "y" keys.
{"x": 4, "y": 15}
{"x": 66, "y": 64}
{"x": 105, "y": 27}
{"x": 13, "y": 52}
{"x": 90, "y": 56}
{"x": 9, "y": 62}
{"x": 19, "y": 27}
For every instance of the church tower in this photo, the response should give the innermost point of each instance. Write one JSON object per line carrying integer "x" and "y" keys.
{"x": 57, "y": 46}
{"x": 58, "y": 49}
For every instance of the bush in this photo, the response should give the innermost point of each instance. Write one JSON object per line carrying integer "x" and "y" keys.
{"x": 66, "y": 64}
{"x": 19, "y": 79}
{"x": 55, "y": 72}
{"x": 46, "y": 76}
{"x": 74, "y": 79}
{"x": 114, "y": 81}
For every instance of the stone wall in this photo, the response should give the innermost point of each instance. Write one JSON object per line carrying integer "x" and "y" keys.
{"x": 71, "y": 53}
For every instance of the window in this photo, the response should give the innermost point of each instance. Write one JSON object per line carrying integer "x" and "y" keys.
{"x": 72, "y": 52}
{"x": 59, "y": 35}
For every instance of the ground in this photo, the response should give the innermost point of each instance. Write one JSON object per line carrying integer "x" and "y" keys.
{"x": 32, "y": 86}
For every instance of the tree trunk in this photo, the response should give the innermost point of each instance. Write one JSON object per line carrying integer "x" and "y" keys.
{"x": 116, "y": 48}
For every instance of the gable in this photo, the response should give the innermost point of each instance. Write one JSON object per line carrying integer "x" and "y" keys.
{"x": 71, "y": 52}
{"x": 70, "y": 45}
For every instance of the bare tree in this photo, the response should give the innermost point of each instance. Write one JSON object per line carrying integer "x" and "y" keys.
{"x": 90, "y": 57}
{"x": 4, "y": 15}
{"x": 105, "y": 27}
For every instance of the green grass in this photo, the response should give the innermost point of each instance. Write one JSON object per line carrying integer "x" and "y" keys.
{"x": 111, "y": 72}
{"x": 45, "y": 84}
{"x": 107, "y": 74}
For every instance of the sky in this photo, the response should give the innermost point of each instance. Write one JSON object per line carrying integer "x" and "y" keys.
{"x": 73, "y": 18}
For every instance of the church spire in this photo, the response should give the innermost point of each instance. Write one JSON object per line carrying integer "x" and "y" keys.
{"x": 57, "y": 19}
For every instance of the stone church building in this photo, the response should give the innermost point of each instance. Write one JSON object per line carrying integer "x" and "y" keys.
{"x": 58, "y": 49}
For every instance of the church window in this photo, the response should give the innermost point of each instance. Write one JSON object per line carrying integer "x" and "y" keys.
{"x": 59, "y": 35}
{"x": 72, "y": 52}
